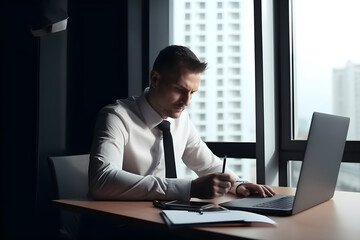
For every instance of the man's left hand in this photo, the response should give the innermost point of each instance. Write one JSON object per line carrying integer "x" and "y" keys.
{"x": 247, "y": 189}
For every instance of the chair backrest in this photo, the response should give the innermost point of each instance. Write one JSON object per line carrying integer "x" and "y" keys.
{"x": 71, "y": 175}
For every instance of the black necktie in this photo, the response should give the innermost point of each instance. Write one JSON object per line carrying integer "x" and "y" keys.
{"x": 170, "y": 169}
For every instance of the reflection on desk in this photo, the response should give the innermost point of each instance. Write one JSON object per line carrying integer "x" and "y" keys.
{"x": 337, "y": 218}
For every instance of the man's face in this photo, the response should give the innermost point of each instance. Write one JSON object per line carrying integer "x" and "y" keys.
{"x": 171, "y": 93}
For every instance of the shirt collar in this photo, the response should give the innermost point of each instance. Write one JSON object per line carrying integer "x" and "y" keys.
{"x": 151, "y": 117}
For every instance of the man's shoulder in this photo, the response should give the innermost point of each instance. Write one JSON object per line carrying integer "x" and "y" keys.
{"x": 122, "y": 107}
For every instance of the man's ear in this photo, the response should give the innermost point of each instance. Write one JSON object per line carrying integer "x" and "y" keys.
{"x": 154, "y": 79}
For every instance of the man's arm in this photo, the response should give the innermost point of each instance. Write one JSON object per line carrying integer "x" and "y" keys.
{"x": 211, "y": 182}
{"x": 107, "y": 179}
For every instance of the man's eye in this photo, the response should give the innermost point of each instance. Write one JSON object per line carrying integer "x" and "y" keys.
{"x": 177, "y": 89}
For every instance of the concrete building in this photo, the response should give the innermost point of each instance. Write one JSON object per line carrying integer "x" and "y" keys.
{"x": 221, "y": 33}
{"x": 346, "y": 99}
{"x": 346, "y": 96}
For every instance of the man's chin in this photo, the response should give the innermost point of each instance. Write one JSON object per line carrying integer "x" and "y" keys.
{"x": 175, "y": 114}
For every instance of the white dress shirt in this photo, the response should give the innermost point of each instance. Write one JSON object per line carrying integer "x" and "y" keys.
{"x": 127, "y": 156}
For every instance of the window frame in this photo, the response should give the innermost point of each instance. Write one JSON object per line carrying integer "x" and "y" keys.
{"x": 286, "y": 149}
{"x": 293, "y": 149}
{"x": 247, "y": 150}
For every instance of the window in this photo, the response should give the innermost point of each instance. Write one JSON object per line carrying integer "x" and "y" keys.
{"x": 235, "y": 127}
{"x": 201, "y": 127}
{"x": 234, "y": 116}
{"x": 201, "y": 16}
{"x": 202, "y": 94}
{"x": 201, "y": 38}
{"x": 234, "y": 15}
{"x": 235, "y": 138}
{"x": 295, "y": 44}
{"x": 234, "y": 71}
{"x": 200, "y": 117}
{"x": 321, "y": 76}
{"x": 234, "y": 93}
{"x": 234, "y": 38}
{"x": 349, "y": 173}
{"x": 325, "y": 64}
{"x": 234, "y": 27}
{"x": 234, "y": 49}
{"x": 235, "y": 82}
{"x": 223, "y": 88}
{"x": 201, "y": 5}
{"x": 201, "y": 49}
{"x": 201, "y": 27}
{"x": 246, "y": 167}
{"x": 200, "y": 105}
{"x": 235, "y": 105}
{"x": 234, "y": 59}
{"x": 234, "y": 4}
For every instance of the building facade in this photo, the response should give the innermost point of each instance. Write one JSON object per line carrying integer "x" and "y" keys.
{"x": 346, "y": 96}
{"x": 221, "y": 33}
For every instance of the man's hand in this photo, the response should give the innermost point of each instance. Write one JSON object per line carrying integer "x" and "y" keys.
{"x": 247, "y": 189}
{"x": 212, "y": 185}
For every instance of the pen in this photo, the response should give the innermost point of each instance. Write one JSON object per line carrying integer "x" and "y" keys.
{"x": 210, "y": 209}
{"x": 224, "y": 164}
{"x": 200, "y": 211}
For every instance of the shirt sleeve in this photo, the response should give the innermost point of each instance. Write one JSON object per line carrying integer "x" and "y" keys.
{"x": 107, "y": 179}
{"x": 202, "y": 160}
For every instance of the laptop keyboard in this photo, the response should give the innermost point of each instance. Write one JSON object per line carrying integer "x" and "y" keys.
{"x": 281, "y": 203}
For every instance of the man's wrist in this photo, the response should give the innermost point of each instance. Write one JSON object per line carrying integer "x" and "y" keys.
{"x": 239, "y": 183}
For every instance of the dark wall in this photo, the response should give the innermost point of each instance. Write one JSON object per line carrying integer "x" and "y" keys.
{"x": 18, "y": 68}
{"x": 51, "y": 91}
{"x": 97, "y": 64}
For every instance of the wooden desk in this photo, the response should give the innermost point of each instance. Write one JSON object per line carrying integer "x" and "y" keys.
{"x": 337, "y": 218}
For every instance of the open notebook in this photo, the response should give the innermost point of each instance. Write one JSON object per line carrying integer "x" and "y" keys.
{"x": 179, "y": 218}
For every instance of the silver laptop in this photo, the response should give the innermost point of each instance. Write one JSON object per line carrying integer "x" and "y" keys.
{"x": 318, "y": 174}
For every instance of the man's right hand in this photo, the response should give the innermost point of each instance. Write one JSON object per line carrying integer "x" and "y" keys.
{"x": 211, "y": 186}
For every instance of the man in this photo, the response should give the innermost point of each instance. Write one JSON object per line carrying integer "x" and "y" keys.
{"x": 127, "y": 157}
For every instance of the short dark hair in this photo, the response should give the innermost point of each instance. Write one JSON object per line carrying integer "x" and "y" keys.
{"x": 172, "y": 56}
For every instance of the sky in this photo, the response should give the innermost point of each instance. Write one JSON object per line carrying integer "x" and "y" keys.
{"x": 327, "y": 36}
